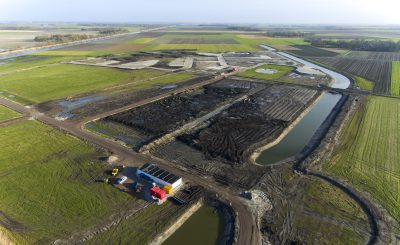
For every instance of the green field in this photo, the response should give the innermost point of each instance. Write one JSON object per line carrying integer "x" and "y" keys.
{"x": 368, "y": 155}
{"x": 143, "y": 40}
{"x": 7, "y": 114}
{"x": 64, "y": 80}
{"x": 338, "y": 212}
{"x": 280, "y": 71}
{"x": 213, "y": 48}
{"x": 364, "y": 84}
{"x": 140, "y": 228}
{"x": 226, "y": 42}
{"x": 31, "y": 61}
{"x": 48, "y": 191}
{"x": 395, "y": 83}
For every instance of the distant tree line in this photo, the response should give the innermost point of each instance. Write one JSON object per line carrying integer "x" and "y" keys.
{"x": 62, "y": 38}
{"x": 242, "y": 28}
{"x": 358, "y": 44}
{"x": 288, "y": 34}
{"x": 106, "y": 31}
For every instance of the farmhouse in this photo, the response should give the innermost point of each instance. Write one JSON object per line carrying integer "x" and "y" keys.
{"x": 160, "y": 176}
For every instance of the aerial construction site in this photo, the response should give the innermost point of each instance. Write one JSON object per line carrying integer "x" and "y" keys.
{"x": 154, "y": 134}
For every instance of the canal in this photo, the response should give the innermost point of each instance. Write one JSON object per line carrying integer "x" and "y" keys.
{"x": 302, "y": 132}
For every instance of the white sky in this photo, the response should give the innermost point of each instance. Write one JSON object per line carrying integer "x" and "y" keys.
{"x": 226, "y": 11}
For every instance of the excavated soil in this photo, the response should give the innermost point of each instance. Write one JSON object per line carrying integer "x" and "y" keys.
{"x": 261, "y": 118}
{"x": 164, "y": 116}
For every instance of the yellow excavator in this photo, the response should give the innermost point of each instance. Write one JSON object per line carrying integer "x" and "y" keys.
{"x": 115, "y": 172}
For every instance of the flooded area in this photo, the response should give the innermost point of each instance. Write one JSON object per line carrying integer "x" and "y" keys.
{"x": 202, "y": 228}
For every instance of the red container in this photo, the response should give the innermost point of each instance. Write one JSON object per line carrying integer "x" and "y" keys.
{"x": 157, "y": 192}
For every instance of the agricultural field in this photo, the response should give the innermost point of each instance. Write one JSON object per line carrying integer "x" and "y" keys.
{"x": 364, "y": 84}
{"x": 33, "y": 61}
{"x": 62, "y": 80}
{"x": 272, "y": 72}
{"x": 368, "y": 153}
{"x": 308, "y": 50}
{"x": 7, "y": 114}
{"x": 214, "y": 42}
{"x": 386, "y": 56}
{"x": 49, "y": 191}
{"x": 276, "y": 42}
{"x": 395, "y": 84}
{"x": 375, "y": 71}
{"x": 213, "y": 48}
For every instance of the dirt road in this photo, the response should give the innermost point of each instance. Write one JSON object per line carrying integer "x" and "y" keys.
{"x": 248, "y": 232}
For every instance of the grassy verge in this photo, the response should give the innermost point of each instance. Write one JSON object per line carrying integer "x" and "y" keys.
{"x": 368, "y": 154}
{"x": 64, "y": 80}
{"x": 47, "y": 191}
{"x": 280, "y": 71}
{"x": 363, "y": 83}
{"x": 7, "y": 114}
{"x": 395, "y": 83}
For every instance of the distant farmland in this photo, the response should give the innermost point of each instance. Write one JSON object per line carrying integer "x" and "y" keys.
{"x": 365, "y": 55}
{"x": 308, "y": 50}
{"x": 376, "y": 71}
{"x": 368, "y": 155}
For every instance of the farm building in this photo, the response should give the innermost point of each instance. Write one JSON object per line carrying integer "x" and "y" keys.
{"x": 160, "y": 176}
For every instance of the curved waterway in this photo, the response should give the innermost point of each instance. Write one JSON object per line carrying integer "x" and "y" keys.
{"x": 203, "y": 228}
{"x": 298, "y": 137}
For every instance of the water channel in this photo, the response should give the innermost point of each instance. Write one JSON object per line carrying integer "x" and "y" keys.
{"x": 202, "y": 228}
{"x": 302, "y": 132}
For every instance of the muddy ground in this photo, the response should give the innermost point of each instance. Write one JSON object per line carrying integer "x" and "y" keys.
{"x": 164, "y": 116}
{"x": 220, "y": 147}
{"x": 111, "y": 101}
{"x": 261, "y": 118}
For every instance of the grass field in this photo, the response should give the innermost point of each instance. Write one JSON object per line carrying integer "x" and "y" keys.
{"x": 225, "y": 42}
{"x": 29, "y": 61}
{"x": 7, "y": 114}
{"x": 395, "y": 83}
{"x": 213, "y": 48}
{"x": 280, "y": 71}
{"x": 368, "y": 155}
{"x": 47, "y": 192}
{"x": 140, "y": 228}
{"x": 64, "y": 80}
{"x": 143, "y": 40}
{"x": 363, "y": 83}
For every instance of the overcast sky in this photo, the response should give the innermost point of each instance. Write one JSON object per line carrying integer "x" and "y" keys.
{"x": 224, "y": 11}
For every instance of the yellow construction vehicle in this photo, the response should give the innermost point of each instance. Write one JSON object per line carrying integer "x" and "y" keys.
{"x": 115, "y": 171}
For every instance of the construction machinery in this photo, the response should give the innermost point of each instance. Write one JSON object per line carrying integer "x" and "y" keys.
{"x": 115, "y": 172}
